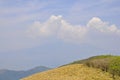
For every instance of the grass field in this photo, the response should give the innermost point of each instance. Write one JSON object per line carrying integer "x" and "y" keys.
{"x": 71, "y": 72}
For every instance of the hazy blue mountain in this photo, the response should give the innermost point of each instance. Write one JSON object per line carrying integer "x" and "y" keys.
{"x": 16, "y": 75}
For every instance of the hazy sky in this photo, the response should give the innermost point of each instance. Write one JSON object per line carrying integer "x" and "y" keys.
{"x": 55, "y": 32}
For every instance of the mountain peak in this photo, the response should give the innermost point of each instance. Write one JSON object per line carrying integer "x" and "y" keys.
{"x": 6, "y": 74}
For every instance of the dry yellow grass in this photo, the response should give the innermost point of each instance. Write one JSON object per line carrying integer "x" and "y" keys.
{"x": 71, "y": 72}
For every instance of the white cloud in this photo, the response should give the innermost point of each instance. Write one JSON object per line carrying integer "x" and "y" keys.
{"x": 72, "y": 32}
{"x": 96, "y": 32}
{"x": 99, "y": 25}
{"x": 58, "y": 27}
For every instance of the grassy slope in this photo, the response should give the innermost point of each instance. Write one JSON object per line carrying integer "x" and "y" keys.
{"x": 77, "y": 71}
{"x": 93, "y": 58}
{"x": 71, "y": 72}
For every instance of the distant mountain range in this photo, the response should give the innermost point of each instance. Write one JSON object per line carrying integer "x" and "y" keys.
{"x": 16, "y": 75}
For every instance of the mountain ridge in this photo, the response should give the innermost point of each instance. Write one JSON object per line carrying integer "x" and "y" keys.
{"x": 6, "y": 74}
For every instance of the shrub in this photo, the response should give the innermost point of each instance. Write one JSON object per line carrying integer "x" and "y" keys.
{"x": 114, "y": 67}
{"x": 99, "y": 63}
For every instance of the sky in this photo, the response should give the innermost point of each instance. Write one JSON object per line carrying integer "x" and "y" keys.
{"x": 55, "y": 32}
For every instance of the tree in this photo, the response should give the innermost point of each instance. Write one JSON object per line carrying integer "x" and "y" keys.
{"x": 114, "y": 67}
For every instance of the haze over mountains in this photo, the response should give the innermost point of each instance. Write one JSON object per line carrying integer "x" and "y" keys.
{"x": 16, "y": 75}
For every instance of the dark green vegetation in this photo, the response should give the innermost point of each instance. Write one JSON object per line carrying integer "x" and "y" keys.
{"x": 107, "y": 63}
{"x": 16, "y": 75}
{"x": 114, "y": 67}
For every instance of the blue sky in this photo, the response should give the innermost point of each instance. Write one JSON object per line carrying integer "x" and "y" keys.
{"x": 55, "y": 32}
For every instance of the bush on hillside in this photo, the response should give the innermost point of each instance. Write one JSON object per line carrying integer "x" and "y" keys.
{"x": 99, "y": 63}
{"x": 114, "y": 67}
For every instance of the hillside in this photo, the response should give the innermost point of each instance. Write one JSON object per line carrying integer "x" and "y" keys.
{"x": 94, "y": 68}
{"x": 106, "y": 63}
{"x": 71, "y": 72}
{"x": 16, "y": 75}
{"x": 100, "y": 57}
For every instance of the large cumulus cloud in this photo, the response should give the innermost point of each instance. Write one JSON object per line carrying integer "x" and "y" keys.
{"x": 58, "y": 27}
{"x": 96, "y": 32}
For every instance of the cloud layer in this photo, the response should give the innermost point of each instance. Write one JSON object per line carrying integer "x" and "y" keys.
{"x": 58, "y": 27}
